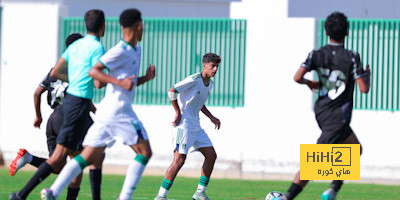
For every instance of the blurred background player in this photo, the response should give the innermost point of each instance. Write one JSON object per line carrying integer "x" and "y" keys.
{"x": 115, "y": 117}
{"x": 78, "y": 58}
{"x": 193, "y": 93}
{"x": 338, "y": 69}
{"x": 55, "y": 95}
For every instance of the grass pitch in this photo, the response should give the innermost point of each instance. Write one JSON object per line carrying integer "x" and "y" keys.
{"x": 183, "y": 188}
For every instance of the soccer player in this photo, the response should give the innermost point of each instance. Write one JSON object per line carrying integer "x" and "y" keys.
{"x": 338, "y": 70}
{"x": 55, "y": 96}
{"x": 188, "y": 98}
{"x": 79, "y": 58}
{"x": 115, "y": 117}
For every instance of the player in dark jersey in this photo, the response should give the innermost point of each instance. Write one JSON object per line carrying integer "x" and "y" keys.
{"x": 338, "y": 70}
{"x": 55, "y": 96}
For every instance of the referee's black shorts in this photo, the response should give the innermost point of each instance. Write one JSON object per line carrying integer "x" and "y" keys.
{"x": 76, "y": 122}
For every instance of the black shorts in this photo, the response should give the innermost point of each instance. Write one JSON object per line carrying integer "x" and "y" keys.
{"x": 53, "y": 127}
{"x": 76, "y": 122}
{"x": 334, "y": 133}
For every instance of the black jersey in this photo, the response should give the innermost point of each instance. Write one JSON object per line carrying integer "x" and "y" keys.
{"x": 337, "y": 69}
{"x": 55, "y": 90}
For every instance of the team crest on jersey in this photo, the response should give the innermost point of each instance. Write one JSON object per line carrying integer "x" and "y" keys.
{"x": 134, "y": 62}
{"x": 198, "y": 92}
{"x": 183, "y": 146}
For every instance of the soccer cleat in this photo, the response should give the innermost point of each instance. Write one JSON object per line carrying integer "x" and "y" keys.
{"x": 19, "y": 161}
{"x": 160, "y": 198}
{"x": 200, "y": 196}
{"x": 329, "y": 194}
{"x": 14, "y": 196}
{"x": 46, "y": 194}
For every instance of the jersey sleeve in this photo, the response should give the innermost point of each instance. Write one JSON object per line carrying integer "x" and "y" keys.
{"x": 112, "y": 59}
{"x": 184, "y": 84}
{"x": 97, "y": 54}
{"x": 65, "y": 55}
{"x": 46, "y": 82}
{"x": 358, "y": 71}
{"x": 309, "y": 64}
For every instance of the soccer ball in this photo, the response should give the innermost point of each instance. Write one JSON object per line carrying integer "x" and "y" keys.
{"x": 275, "y": 195}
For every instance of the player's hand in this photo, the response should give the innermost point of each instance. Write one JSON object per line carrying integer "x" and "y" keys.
{"x": 368, "y": 77}
{"x": 216, "y": 122}
{"x": 368, "y": 71}
{"x": 37, "y": 122}
{"x": 151, "y": 72}
{"x": 313, "y": 85}
{"x": 127, "y": 83}
{"x": 177, "y": 120}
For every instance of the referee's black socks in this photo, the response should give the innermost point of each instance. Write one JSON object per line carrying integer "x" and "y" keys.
{"x": 95, "y": 182}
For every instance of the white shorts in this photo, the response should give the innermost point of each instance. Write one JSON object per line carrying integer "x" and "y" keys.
{"x": 105, "y": 135}
{"x": 183, "y": 139}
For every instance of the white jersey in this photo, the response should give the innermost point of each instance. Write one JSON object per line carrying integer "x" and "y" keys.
{"x": 193, "y": 93}
{"x": 122, "y": 61}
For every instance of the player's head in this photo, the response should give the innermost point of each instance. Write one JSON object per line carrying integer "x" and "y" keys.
{"x": 95, "y": 21}
{"x": 72, "y": 38}
{"x": 132, "y": 19}
{"x": 337, "y": 26}
{"x": 211, "y": 62}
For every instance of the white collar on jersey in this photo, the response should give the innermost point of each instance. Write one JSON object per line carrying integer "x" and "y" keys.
{"x": 336, "y": 44}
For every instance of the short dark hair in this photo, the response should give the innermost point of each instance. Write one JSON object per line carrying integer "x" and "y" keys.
{"x": 72, "y": 38}
{"x": 129, "y": 17}
{"x": 336, "y": 26}
{"x": 94, "y": 20}
{"x": 211, "y": 57}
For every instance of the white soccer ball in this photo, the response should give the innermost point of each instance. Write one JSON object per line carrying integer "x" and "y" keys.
{"x": 275, "y": 195}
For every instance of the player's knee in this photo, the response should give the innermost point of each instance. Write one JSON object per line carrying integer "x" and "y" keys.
{"x": 57, "y": 165}
{"x": 212, "y": 156}
{"x": 180, "y": 161}
{"x": 97, "y": 164}
{"x": 148, "y": 154}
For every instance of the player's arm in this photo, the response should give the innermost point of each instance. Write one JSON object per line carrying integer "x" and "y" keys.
{"x": 173, "y": 96}
{"x": 213, "y": 119}
{"x": 150, "y": 74}
{"x": 364, "y": 82}
{"x": 59, "y": 71}
{"x": 37, "y": 99}
{"x": 96, "y": 72}
{"x": 97, "y": 83}
{"x": 299, "y": 78}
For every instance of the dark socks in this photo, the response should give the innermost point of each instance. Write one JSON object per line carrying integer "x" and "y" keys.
{"x": 336, "y": 185}
{"x": 72, "y": 193}
{"x": 293, "y": 191}
{"x": 43, "y": 172}
{"x": 95, "y": 182}
{"x": 36, "y": 161}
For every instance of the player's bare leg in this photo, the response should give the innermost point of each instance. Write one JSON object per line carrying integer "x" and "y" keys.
{"x": 170, "y": 175}
{"x": 58, "y": 158}
{"x": 176, "y": 165}
{"x": 209, "y": 160}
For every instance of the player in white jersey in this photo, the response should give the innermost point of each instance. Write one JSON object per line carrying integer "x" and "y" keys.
{"x": 115, "y": 117}
{"x": 188, "y": 98}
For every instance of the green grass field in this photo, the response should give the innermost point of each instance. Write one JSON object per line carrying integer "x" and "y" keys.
{"x": 218, "y": 189}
